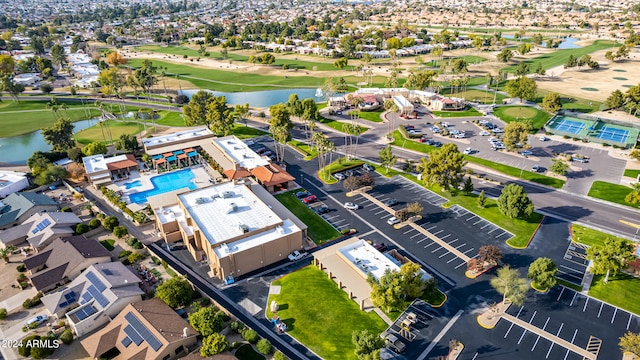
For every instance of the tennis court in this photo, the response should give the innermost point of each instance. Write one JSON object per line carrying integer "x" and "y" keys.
{"x": 570, "y": 126}
{"x": 612, "y": 134}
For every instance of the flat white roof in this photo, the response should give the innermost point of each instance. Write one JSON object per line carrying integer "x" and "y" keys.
{"x": 220, "y": 218}
{"x": 98, "y": 162}
{"x": 168, "y": 214}
{"x": 11, "y": 177}
{"x": 240, "y": 153}
{"x": 176, "y": 136}
{"x": 402, "y": 101}
{"x": 287, "y": 227}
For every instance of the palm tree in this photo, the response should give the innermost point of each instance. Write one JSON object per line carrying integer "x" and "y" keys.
{"x": 330, "y": 147}
{"x": 53, "y": 106}
{"x": 319, "y": 139}
{"x": 486, "y": 92}
{"x": 4, "y": 253}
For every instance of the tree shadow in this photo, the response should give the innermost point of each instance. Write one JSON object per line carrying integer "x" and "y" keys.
{"x": 567, "y": 210}
{"x": 584, "y": 173}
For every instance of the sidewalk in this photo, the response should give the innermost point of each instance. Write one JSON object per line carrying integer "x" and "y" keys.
{"x": 16, "y": 301}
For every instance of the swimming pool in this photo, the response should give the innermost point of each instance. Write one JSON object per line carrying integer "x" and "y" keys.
{"x": 132, "y": 184}
{"x": 164, "y": 183}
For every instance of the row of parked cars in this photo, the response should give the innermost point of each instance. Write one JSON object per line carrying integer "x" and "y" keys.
{"x": 353, "y": 172}
{"x": 261, "y": 150}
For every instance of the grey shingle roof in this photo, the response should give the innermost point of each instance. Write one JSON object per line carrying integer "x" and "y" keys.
{"x": 19, "y": 203}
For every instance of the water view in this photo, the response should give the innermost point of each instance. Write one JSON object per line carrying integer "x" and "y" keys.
{"x": 17, "y": 149}
{"x": 264, "y": 98}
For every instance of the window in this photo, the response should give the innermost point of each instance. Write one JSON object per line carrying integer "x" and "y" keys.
{"x": 166, "y": 357}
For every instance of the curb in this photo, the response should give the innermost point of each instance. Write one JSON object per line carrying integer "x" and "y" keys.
{"x": 531, "y": 238}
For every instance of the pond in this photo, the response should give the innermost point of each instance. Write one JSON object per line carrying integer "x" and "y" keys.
{"x": 567, "y": 43}
{"x": 17, "y": 149}
{"x": 265, "y": 98}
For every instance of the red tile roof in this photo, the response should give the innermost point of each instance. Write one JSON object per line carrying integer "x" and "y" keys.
{"x": 271, "y": 174}
{"x": 130, "y": 162}
{"x": 234, "y": 174}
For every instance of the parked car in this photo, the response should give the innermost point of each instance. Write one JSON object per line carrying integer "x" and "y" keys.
{"x": 367, "y": 167}
{"x": 322, "y": 209}
{"x": 391, "y": 202}
{"x": 302, "y": 194}
{"x": 483, "y": 122}
{"x": 260, "y": 150}
{"x": 526, "y": 153}
{"x": 580, "y": 158}
{"x": 484, "y": 133}
{"x": 409, "y": 127}
{"x": 536, "y": 168}
{"x": 393, "y": 220}
{"x": 436, "y": 130}
{"x": 445, "y": 124}
{"x": 543, "y": 138}
{"x": 267, "y": 153}
{"x": 497, "y": 131}
{"x": 437, "y": 143}
{"x": 380, "y": 247}
{"x": 297, "y": 255}
{"x": 310, "y": 199}
{"x": 350, "y": 206}
{"x": 468, "y": 151}
{"x": 414, "y": 132}
{"x": 392, "y": 342}
{"x": 460, "y": 135}
{"x": 339, "y": 176}
{"x": 37, "y": 320}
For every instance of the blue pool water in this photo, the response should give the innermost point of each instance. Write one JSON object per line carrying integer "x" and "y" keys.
{"x": 165, "y": 183}
{"x": 132, "y": 184}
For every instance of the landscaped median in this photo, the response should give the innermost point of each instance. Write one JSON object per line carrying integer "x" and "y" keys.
{"x": 320, "y": 315}
{"x": 400, "y": 141}
{"x": 309, "y": 152}
{"x": 522, "y": 228}
{"x": 611, "y": 192}
{"x": 318, "y": 229}
{"x": 339, "y": 165}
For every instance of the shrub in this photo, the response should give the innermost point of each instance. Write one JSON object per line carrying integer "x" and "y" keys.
{"x": 66, "y": 337}
{"x": 250, "y": 335}
{"x": 81, "y": 228}
{"x": 120, "y": 232}
{"x": 221, "y": 314}
{"x": 237, "y": 326}
{"x": 184, "y": 56}
{"x": 65, "y": 209}
{"x": 26, "y": 350}
{"x": 264, "y": 347}
{"x": 110, "y": 223}
{"x": 344, "y": 231}
{"x": 155, "y": 260}
{"x": 124, "y": 254}
{"x": 138, "y": 246}
{"x": 3, "y": 313}
{"x": 94, "y": 223}
{"x": 279, "y": 356}
{"x": 135, "y": 257}
{"x": 21, "y": 268}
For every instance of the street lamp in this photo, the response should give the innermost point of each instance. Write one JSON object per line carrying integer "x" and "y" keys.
{"x": 302, "y": 180}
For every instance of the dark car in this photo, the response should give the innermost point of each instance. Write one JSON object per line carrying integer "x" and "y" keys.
{"x": 380, "y": 247}
{"x": 309, "y": 199}
{"x": 322, "y": 209}
{"x": 437, "y": 143}
{"x": 260, "y": 150}
{"x": 302, "y": 194}
{"x": 409, "y": 127}
{"x": 368, "y": 167}
{"x": 391, "y": 202}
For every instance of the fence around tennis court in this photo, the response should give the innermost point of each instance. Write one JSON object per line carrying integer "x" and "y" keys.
{"x": 593, "y": 126}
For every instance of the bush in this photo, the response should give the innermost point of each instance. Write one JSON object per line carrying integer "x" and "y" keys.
{"x": 23, "y": 349}
{"x": 110, "y": 223}
{"x": 138, "y": 246}
{"x": 3, "y": 313}
{"x": 237, "y": 326}
{"x": 21, "y": 268}
{"x": 250, "y": 335}
{"x": 65, "y": 209}
{"x": 82, "y": 228}
{"x": 279, "y": 356}
{"x": 120, "y": 232}
{"x": 344, "y": 231}
{"x": 124, "y": 254}
{"x": 264, "y": 347}
{"x": 155, "y": 260}
{"x": 66, "y": 337}
{"x": 94, "y": 223}
{"x": 182, "y": 99}
{"x": 135, "y": 257}
{"x": 34, "y": 301}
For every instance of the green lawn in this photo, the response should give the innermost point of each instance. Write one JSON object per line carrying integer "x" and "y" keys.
{"x": 246, "y": 352}
{"x": 588, "y": 236}
{"x": 170, "y": 118}
{"x": 373, "y": 116}
{"x": 108, "y": 244}
{"x": 117, "y": 128}
{"x": 321, "y": 316}
{"x": 559, "y": 57}
{"x": 318, "y": 229}
{"x": 399, "y": 140}
{"x": 309, "y": 152}
{"x": 476, "y": 95}
{"x": 337, "y": 166}
{"x": 31, "y": 116}
{"x": 230, "y": 81}
{"x": 610, "y": 192}
{"x": 632, "y": 173}
{"x": 515, "y": 113}
{"x": 454, "y": 114}
{"x": 570, "y": 285}
{"x": 522, "y": 229}
{"x": 245, "y": 132}
{"x": 337, "y": 125}
{"x": 571, "y": 103}
{"x": 622, "y": 290}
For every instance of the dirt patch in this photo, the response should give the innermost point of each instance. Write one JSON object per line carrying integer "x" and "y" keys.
{"x": 8, "y": 286}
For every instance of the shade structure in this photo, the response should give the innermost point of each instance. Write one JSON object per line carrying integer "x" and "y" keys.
{"x": 167, "y": 155}
{"x": 171, "y": 158}
{"x": 156, "y": 157}
{"x": 178, "y": 152}
{"x": 182, "y": 156}
{"x": 192, "y": 153}
{"x": 187, "y": 150}
{"x": 160, "y": 161}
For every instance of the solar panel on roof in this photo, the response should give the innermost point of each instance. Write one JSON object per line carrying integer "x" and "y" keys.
{"x": 70, "y": 296}
{"x": 85, "y": 312}
{"x": 126, "y": 342}
{"x": 143, "y": 331}
{"x": 133, "y": 334}
{"x": 94, "y": 293}
{"x": 107, "y": 272}
{"x": 95, "y": 281}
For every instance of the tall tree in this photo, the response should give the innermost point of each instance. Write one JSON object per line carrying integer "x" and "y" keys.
{"x": 280, "y": 116}
{"x": 514, "y": 203}
{"x": 510, "y": 285}
{"x": 443, "y": 167}
{"x": 522, "y": 88}
{"x": 127, "y": 142}
{"x": 175, "y": 292}
{"x": 294, "y": 105}
{"x": 94, "y": 148}
{"x": 115, "y": 59}
{"x": 630, "y": 342}
{"x": 420, "y": 80}
{"x": 543, "y": 273}
{"x": 366, "y": 343}
{"x": 615, "y": 100}
{"x": 387, "y": 158}
{"x": 219, "y": 115}
{"x": 58, "y": 55}
{"x": 387, "y": 293}
{"x": 241, "y": 111}
{"x": 146, "y": 75}
{"x": 59, "y": 135}
{"x": 614, "y": 255}
{"x": 516, "y": 134}
{"x": 195, "y": 113}
{"x": 551, "y": 102}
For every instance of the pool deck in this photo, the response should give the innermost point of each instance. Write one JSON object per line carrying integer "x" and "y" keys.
{"x": 201, "y": 180}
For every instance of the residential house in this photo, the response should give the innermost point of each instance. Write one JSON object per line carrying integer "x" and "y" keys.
{"x": 18, "y": 207}
{"x": 63, "y": 260}
{"x": 148, "y": 330}
{"x": 101, "y": 170}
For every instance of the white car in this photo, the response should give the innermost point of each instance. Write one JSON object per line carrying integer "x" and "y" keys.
{"x": 468, "y": 151}
{"x": 339, "y": 176}
{"x": 493, "y": 139}
{"x": 484, "y": 133}
{"x": 297, "y": 255}
{"x": 543, "y": 138}
{"x": 37, "y": 320}
{"x": 460, "y": 135}
{"x": 393, "y": 220}
{"x": 445, "y": 124}
{"x": 350, "y": 206}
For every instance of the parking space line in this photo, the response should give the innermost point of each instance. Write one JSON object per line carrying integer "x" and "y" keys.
{"x": 331, "y": 217}
{"x": 508, "y": 330}
{"x": 432, "y": 243}
{"x": 615, "y": 310}
{"x": 462, "y": 264}
{"x": 385, "y": 216}
{"x": 453, "y": 258}
{"x": 525, "y": 330}
{"x": 629, "y": 322}
{"x": 338, "y": 221}
{"x": 379, "y": 212}
{"x": 419, "y": 241}
{"x": 561, "y": 291}
{"x": 418, "y": 234}
{"x": 452, "y": 241}
{"x": 479, "y": 221}
{"x": 493, "y": 230}
{"x": 467, "y": 251}
{"x": 538, "y": 339}
{"x": 433, "y": 227}
{"x": 472, "y": 217}
{"x": 504, "y": 232}
{"x": 439, "y": 231}
{"x": 438, "y": 248}
{"x": 408, "y": 231}
{"x": 369, "y": 205}
{"x": 585, "y": 305}
{"x": 459, "y": 246}
{"x": 574, "y": 297}
{"x": 444, "y": 237}
{"x": 599, "y": 311}
{"x": 489, "y": 224}
{"x": 443, "y": 255}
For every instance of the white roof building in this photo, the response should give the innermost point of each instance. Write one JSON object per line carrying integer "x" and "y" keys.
{"x": 11, "y": 182}
{"x": 240, "y": 153}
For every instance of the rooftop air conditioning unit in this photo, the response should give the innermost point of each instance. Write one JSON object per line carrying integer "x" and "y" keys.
{"x": 244, "y": 228}
{"x": 232, "y": 208}
{"x": 227, "y": 194}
